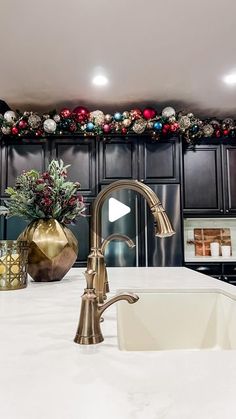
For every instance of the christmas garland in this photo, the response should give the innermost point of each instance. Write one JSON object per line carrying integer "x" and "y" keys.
{"x": 136, "y": 121}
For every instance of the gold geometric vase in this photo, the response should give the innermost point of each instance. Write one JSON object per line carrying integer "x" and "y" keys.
{"x": 53, "y": 249}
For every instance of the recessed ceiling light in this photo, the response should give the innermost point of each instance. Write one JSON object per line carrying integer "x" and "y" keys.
{"x": 230, "y": 79}
{"x": 100, "y": 80}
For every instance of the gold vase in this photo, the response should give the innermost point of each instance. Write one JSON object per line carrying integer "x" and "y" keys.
{"x": 53, "y": 249}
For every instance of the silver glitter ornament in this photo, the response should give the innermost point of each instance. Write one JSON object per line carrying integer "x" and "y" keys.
{"x": 46, "y": 116}
{"x": 57, "y": 118}
{"x": 184, "y": 122}
{"x": 215, "y": 123}
{"x": 150, "y": 125}
{"x": 139, "y": 126}
{"x": 6, "y": 130}
{"x": 49, "y": 126}
{"x": 168, "y": 112}
{"x": 34, "y": 121}
{"x": 208, "y": 130}
{"x": 10, "y": 117}
{"x": 228, "y": 122}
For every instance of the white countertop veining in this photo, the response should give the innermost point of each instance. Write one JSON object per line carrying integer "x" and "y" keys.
{"x": 45, "y": 375}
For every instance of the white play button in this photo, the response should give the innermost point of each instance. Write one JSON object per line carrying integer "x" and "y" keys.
{"x": 116, "y": 209}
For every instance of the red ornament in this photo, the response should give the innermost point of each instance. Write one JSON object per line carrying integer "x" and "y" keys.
{"x": 39, "y": 133}
{"x": 149, "y": 113}
{"x": 81, "y": 114}
{"x": 65, "y": 113}
{"x": 124, "y": 130}
{"x": 72, "y": 127}
{"x": 218, "y": 133}
{"x": 165, "y": 129}
{"x": 226, "y": 132}
{"x": 174, "y": 127}
{"x": 22, "y": 124}
{"x": 106, "y": 128}
{"x": 136, "y": 114}
{"x": 14, "y": 130}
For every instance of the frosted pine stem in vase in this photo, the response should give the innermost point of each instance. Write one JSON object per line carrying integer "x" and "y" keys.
{"x": 49, "y": 202}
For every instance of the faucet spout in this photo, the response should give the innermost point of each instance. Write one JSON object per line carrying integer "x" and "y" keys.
{"x": 163, "y": 227}
{"x": 121, "y": 237}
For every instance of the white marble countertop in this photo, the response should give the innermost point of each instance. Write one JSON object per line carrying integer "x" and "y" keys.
{"x": 45, "y": 375}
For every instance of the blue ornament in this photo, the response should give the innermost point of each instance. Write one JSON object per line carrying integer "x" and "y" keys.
{"x": 157, "y": 125}
{"x": 90, "y": 126}
{"x": 118, "y": 116}
{"x": 195, "y": 128}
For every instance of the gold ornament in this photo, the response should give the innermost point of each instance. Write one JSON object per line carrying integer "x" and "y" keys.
{"x": 34, "y": 121}
{"x": 125, "y": 114}
{"x": 139, "y": 126}
{"x": 184, "y": 122}
{"x": 97, "y": 117}
{"x": 108, "y": 117}
{"x": 127, "y": 122}
{"x": 208, "y": 130}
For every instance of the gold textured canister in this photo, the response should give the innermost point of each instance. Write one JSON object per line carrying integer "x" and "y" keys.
{"x": 13, "y": 264}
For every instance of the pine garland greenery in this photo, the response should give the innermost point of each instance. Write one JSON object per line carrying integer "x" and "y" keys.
{"x": 45, "y": 195}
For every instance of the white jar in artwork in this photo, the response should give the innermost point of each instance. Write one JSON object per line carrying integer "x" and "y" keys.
{"x": 215, "y": 249}
{"x": 225, "y": 251}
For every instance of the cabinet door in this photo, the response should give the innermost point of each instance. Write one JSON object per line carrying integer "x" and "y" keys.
{"x": 19, "y": 155}
{"x": 80, "y": 154}
{"x": 203, "y": 180}
{"x": 230, "y": 178}
{"x": 117, "y": 159}
{"x": 159, "y": 161}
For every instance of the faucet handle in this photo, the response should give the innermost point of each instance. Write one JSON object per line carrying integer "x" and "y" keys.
{"x": 89, "y": 276}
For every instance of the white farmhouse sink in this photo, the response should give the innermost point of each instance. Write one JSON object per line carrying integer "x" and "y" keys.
{"x": 186, "y": 319}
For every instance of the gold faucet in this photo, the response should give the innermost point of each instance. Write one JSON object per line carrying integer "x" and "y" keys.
{"x": 106, "y": 241}
{"x": 89, "y": 330}
{"x": 95, "y": 261}
{"x": 121, "y": 237}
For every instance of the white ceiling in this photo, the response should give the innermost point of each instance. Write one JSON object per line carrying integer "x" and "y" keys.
{"x": 153, "y": 51}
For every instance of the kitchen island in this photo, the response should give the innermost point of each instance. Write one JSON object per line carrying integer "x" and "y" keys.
{"x": 45, "y": 375}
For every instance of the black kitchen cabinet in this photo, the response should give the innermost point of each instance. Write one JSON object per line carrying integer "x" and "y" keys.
{"x": 80, "y": 154}
{"x": 96, "y": 162}
{"x": 118, "y": 159}
{"x": 202, "y": 172}
{"x": 159, "y": 161}
{"x": 229, "y": 164}
{"x": 19, "y": 155}
{"x": 209, "y": 179}
{"x": 223, "y": 271}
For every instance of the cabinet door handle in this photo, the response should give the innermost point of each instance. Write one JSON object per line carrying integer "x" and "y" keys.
{"x": 225, "y": 278}
{"x": 221, "y": 210}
